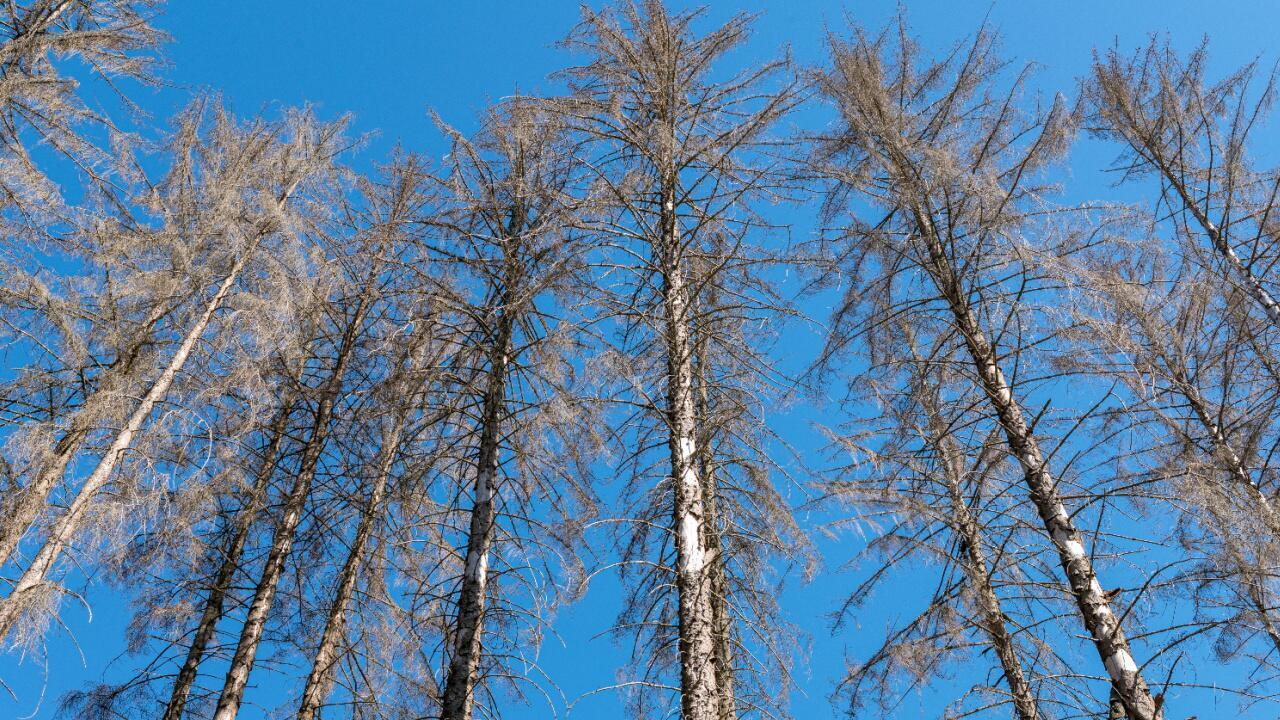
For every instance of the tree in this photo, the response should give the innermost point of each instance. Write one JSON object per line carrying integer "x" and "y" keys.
{"x": 511, "y": 229}
{"x": 950, "y": 160}
{"x": 237, "y": 184}
{"x": 680, "y": 151}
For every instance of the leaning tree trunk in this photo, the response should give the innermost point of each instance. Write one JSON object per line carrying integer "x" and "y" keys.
{"x": 286, "y": 528}
{"x": 230, "y": 554}
{"x": 699, "y": 689}
{"x": 458, "y": 702}
{"x": 23, "y": 509}
{"x": 320, "y": 680}
{"x": 1252, "y": 284}
{"x": 976, "y": 566}
{"x": 1093, "y": 602}
{"x": 69, "y": 525}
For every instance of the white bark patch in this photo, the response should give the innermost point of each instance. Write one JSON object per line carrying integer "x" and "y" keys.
{"x": 1120, "y": 665}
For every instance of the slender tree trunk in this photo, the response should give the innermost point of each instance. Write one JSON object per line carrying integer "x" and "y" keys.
{"x": 320, "y": 681}
{"x": 213, "y": 605}
{"x": 67, "y": 527}
{"x": 1220, "y": 245}
{"x": 458, "y": 702}
{"x": 286, "y": 529}
{"x": 994, "y": 622}
{"x": 1095, "y": 607}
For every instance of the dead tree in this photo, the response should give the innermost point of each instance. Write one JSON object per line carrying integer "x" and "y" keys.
{"x": 951, "y": 159}
{"x": 1193, "y": 136}
{"x": 678, "y": 153}
{"x": 511, "y": 230}
{"x": 255, "y": 160}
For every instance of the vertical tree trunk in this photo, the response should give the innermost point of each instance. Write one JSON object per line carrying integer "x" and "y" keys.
{"x": 458, "y": 702}
{"x": 699, "y": 689}
{"x": 1095, "y": 607}
{"x": 320, "y": 680}
{"x": 721, "y": 620}
{"x": 67, "y": 527}
{"x": 286, "y": 529}
{"x": 213, "y": 605}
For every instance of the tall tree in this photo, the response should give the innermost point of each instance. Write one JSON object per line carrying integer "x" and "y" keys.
{"x": 513, "y": 231}
{"x": 678, "y": 146}
{"x": 217, "y": 186}
{"x": 950, "y": 159}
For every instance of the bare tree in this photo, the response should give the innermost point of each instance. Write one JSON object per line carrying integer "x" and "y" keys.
{"x": 951, "y": 160}
{"x": 512, "y": 229}
{"x": 255, "y": 161}
{"x": 1194, "y": 136}
{"x": 680, "y": 151}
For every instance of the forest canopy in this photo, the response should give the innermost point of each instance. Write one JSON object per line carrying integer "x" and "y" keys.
{"x": 744, "y": 349}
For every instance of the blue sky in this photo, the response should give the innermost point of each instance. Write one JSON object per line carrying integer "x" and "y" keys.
{"x": 389, "y": 62}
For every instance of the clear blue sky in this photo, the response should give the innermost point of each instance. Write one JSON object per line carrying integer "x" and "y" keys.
{"x": 388, "y": 62}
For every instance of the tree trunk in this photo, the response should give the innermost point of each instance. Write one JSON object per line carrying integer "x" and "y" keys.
{"x": 721, "y": 620}
{"x": 320, "y": 681}
{"x": 230, "y": 554}
{"x": 994, "y": 622}
{"x": 458, "y": 702}
{"x": 1220, "y": 245}
{"x": 286, "y": 529}
{"x": 67, "y": 527}
{"x": 1095, "y": 607}
{"x": 699, "y": 689}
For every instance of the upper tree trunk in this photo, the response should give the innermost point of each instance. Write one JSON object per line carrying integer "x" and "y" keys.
{"x": 1219, "y": 242}
{"x": 320, "y": 681}
{"x": 1095, "y": 608}
{"x": 287, "y": 528}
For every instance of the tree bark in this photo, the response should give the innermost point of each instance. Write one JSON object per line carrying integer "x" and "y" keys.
{"x": 213, "y": 605}
{"x": 34, "y": 576}
{"x": 320, "y": 680}
{"x": 458, "y": 702}
{"x": 286, "y": 529}
{"x": 1095, "y": 608}
{"x": 721, "y": 620}
{"x": 699, "y": 689}
{"x": 976, "y": 566}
